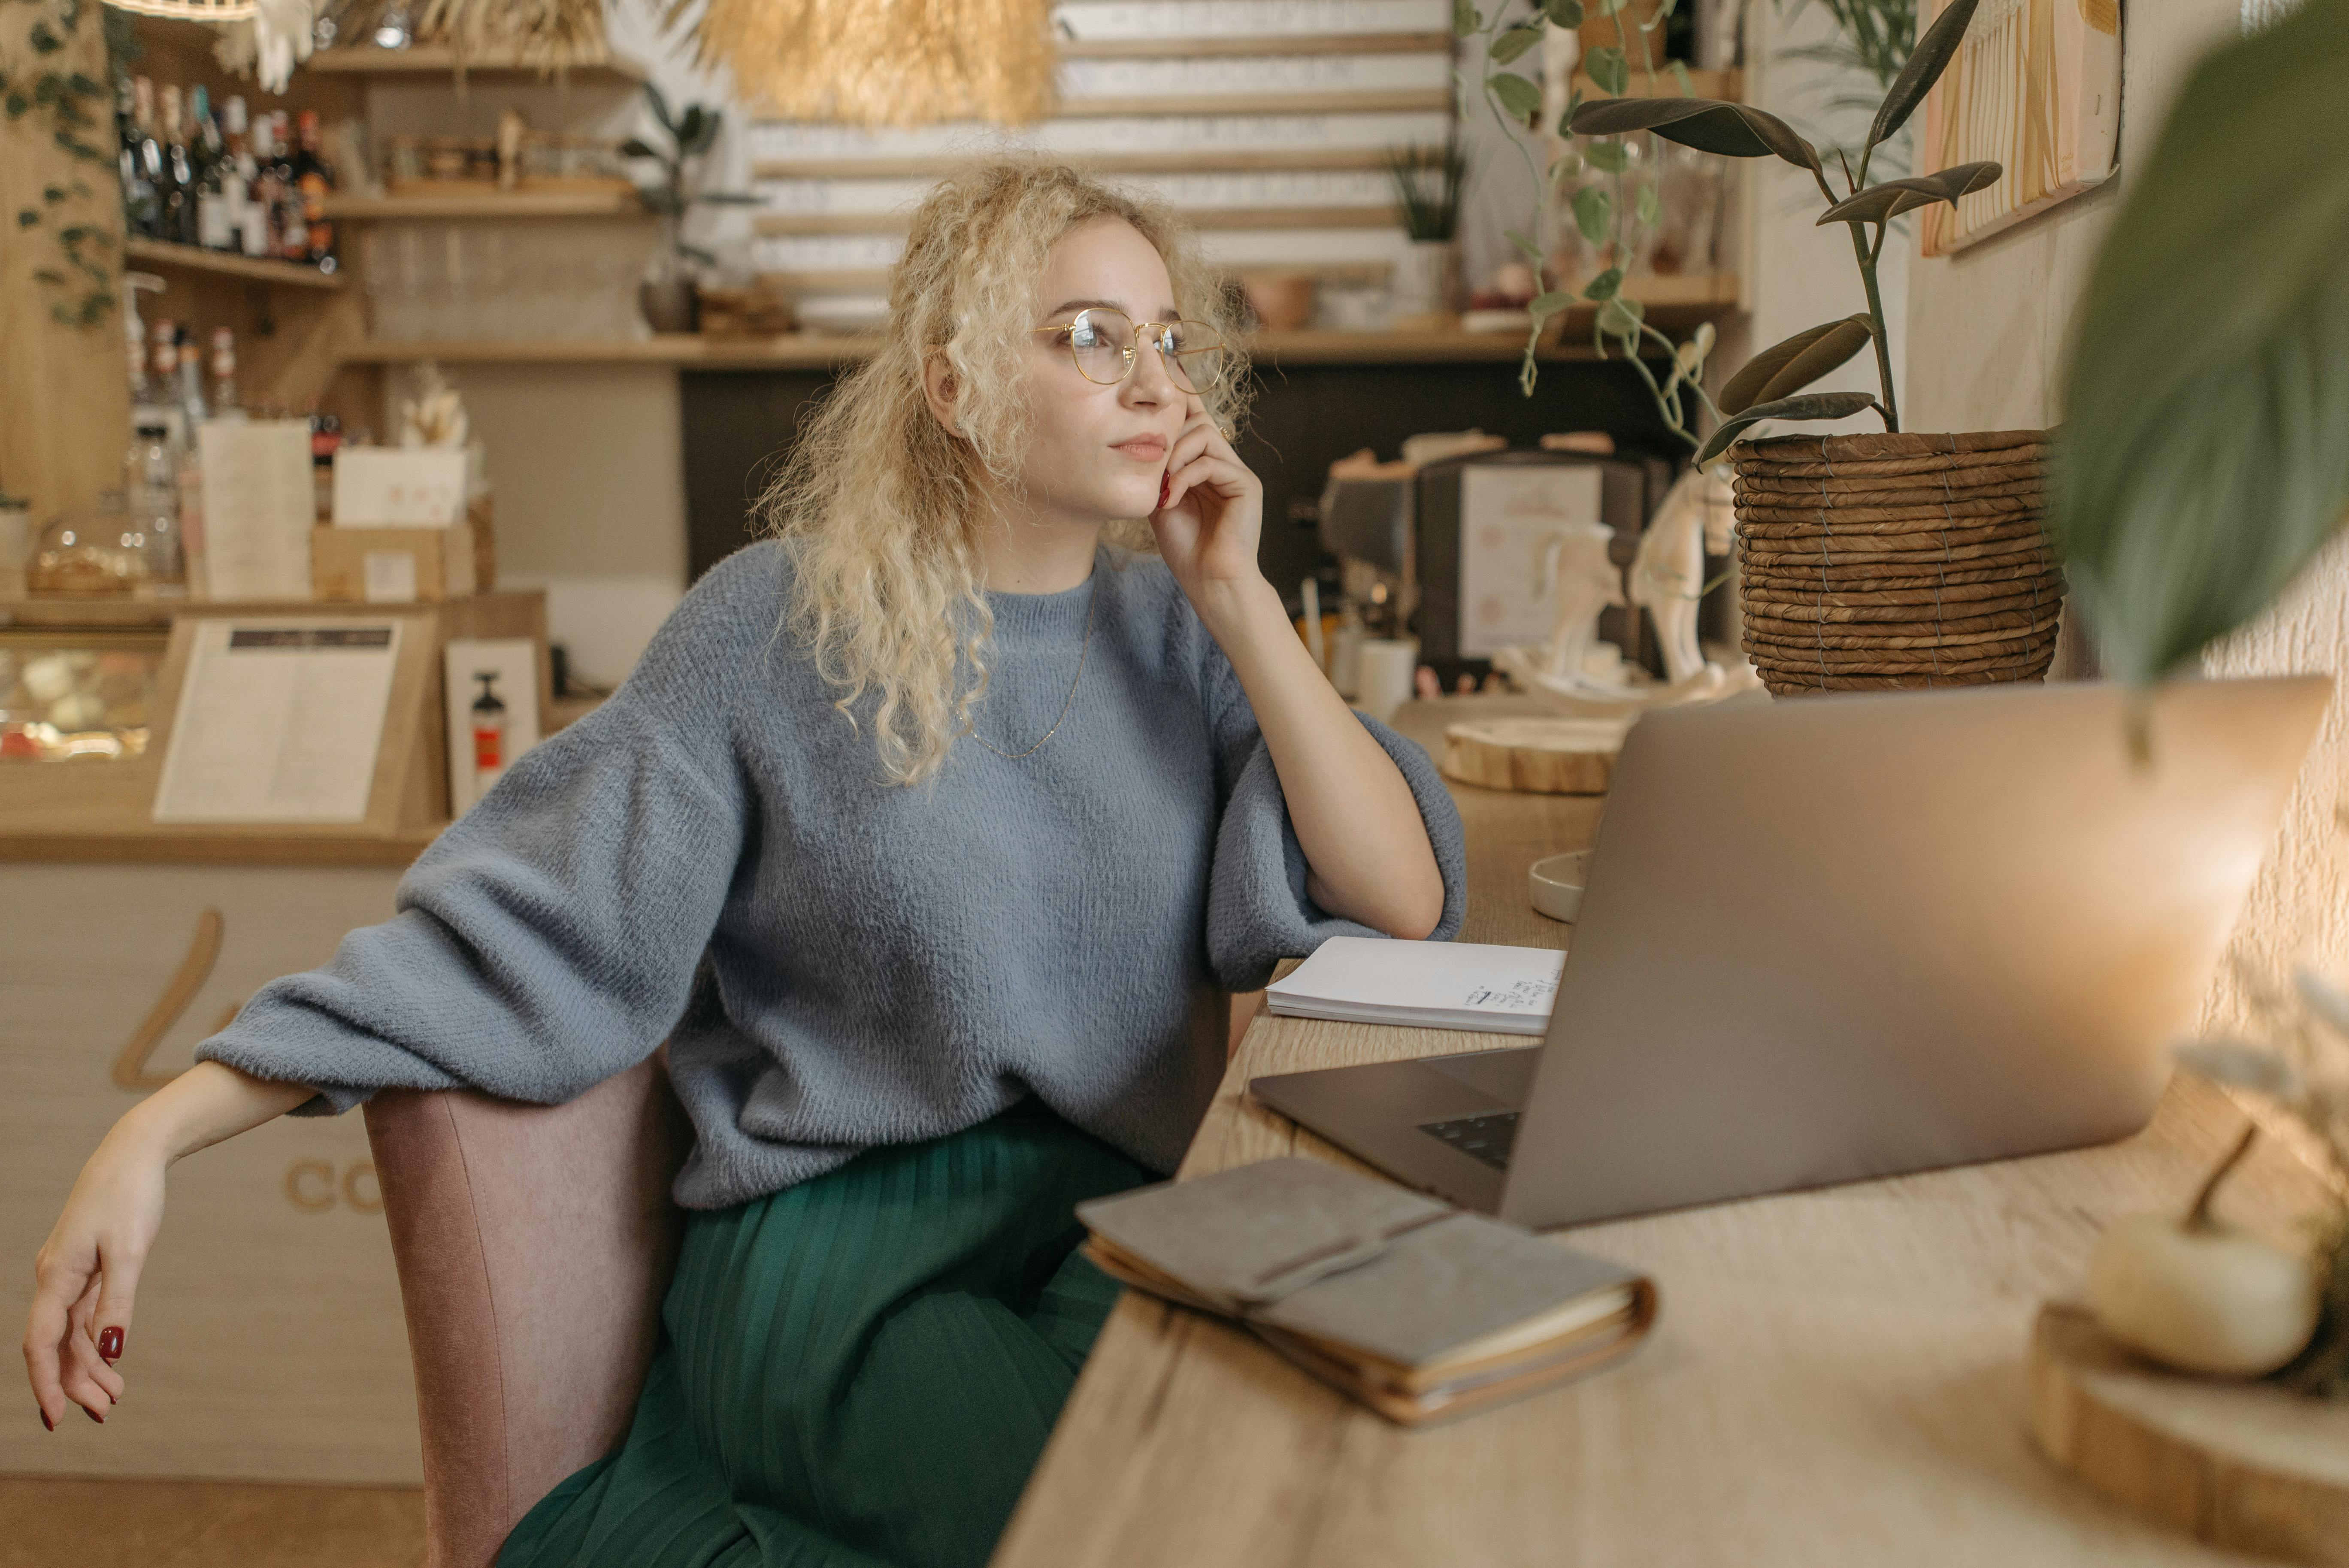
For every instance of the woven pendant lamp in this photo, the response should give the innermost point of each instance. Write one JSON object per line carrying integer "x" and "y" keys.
{"x": 884, "y": 62}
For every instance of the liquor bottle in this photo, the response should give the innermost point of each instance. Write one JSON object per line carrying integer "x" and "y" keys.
{"x": 259, "y": 192}
{"x": 293, "y": 228}
{"x": 190, "y": 382}
{"x": 163, "y": 372}
{"x": 313, "y": 180}
{"x": 234, "y": 184}
{"x": 489, "y": 734}
{"x": 180, "y": 189}
{"x": 153, "y": 167}
{"x": 138, "y": 194}
{"x": 225, "y": 404}
{"x": 215, "y": 216}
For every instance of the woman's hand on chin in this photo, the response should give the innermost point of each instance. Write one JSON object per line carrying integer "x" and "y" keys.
{"x": 1210, "y": 514}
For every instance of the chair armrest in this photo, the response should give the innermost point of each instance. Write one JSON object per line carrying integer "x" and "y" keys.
{"x": 534, "y": 1243}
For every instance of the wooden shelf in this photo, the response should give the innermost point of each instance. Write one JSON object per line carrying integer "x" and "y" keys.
{"x": 514, "y": 204}
{"x": 436, "y": 60}
{"x": 1397, "y": 100}
{"x": 1380, "y": 216}
{"x": 812, "y": 351}
{"x": 1280, "y": 43}
{"x": 1176, "y": 160}
{"x": 226, "y": 263}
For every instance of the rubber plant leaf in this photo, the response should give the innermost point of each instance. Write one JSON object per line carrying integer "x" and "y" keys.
{"x": 2202, "y": 462}
{"x": 1730, "y": 130}
{"x": 1810, "y": 405}
{"x": 1882, "y": 203}
{"x": 1785, "y": 368}
{"x": 1934, "y": 51}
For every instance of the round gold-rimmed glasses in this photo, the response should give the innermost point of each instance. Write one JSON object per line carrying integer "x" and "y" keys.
{"x": 1104, "y": 343}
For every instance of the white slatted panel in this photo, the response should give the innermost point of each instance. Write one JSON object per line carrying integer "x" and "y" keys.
{"x": 1275, "y": 151}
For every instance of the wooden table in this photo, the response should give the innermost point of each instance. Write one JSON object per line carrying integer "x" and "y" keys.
{"x": 1837, "y": 1376}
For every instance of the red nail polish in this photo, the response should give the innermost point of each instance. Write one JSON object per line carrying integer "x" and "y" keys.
{"x": 94, "y": 1416}
{"x": 109, "y": 1346}
{"x": 1165, "y": 484}
{"x": 46, "y": 1422}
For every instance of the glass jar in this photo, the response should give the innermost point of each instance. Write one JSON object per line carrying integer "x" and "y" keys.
{"x": 151, "y": 490}
{"x": 87, "y": 555}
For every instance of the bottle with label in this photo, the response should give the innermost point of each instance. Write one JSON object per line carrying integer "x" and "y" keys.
{"x": 153, "y": 167}
{"x": 293, "y": 225}
{"x": 215, "y": 215}
{"x": 151, "y": 488}
{"x": 261, "y": 191}
{"x": 313, "y": 179}
{"x": 489, "y": 734}
{"x": 191, "y": 383}
{"x": 137, "y": 193}
{"x": 224, "y": 402}
{"x": 180, "y": 191}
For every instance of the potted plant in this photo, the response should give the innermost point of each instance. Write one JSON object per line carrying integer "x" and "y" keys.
{"x": 1427, "y": 181}
{"x": 668, "y": 296}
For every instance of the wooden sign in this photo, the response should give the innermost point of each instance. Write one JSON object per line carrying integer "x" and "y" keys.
{"x": 2036, "y": 88}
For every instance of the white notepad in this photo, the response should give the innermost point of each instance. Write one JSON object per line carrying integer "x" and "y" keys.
{"x": 1425, "y": 984}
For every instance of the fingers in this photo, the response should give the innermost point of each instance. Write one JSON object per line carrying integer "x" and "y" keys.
{"x": 46, "y": 1329}
{"x": 86, "y": 1351}
{"x": 119, "y": 1267}
{"x": 1228, "y": 478}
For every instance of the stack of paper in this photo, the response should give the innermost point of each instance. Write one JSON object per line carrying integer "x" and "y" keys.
{"x": 1426, "y": 985}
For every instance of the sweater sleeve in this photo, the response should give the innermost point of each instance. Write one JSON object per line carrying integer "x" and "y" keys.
{"x": 549, "y": 938}
{"x": 1259, "y": 911}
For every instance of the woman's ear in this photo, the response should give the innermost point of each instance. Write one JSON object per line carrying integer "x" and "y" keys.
{"x": 939, "y": 386}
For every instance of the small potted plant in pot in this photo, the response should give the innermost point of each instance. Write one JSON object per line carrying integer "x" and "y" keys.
{"x": 668, "y": 295}
{"x": 1427, "y": 181}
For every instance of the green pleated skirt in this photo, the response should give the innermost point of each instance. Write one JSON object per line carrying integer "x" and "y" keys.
{"x": 857, "y": 1372}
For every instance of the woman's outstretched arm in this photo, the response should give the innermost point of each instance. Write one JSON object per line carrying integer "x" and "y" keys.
{"x": 88, "y": 1271}
{"x": 1365, "y": 843}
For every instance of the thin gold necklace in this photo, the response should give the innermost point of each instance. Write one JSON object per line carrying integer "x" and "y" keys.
{"x": 1072, "y": 702}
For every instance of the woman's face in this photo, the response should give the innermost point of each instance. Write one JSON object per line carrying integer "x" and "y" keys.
{"x": 1097, "y": 453}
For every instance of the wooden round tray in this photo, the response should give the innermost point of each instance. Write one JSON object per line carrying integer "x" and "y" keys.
{"x": 1536, "y": 756}
{"x": 2247, "y": 1467}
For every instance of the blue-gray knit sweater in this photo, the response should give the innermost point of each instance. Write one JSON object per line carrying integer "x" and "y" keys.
{"x": 885, "y": 965}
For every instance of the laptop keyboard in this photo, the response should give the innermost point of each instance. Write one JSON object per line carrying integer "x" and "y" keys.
{"x": 1485, "y": 1138}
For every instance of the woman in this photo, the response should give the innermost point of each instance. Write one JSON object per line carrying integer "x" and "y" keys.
{"x": 928, "y": 834}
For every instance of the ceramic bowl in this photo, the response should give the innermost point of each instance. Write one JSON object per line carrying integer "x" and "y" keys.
{"x": 1556, "y": 884}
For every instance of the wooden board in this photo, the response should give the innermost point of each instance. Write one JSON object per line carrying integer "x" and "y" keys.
{"x": 1837, "y": 1376}
{"x": 2247, "y": 1467}
{"x": 1539, "y": 756}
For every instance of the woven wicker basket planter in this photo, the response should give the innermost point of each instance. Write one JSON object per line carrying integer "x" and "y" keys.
{"x": 1892, "y": 561}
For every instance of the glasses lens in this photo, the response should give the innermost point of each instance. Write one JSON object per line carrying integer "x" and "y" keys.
{"x": 1194, "y": 354}
{"x": 1102, "y": 340}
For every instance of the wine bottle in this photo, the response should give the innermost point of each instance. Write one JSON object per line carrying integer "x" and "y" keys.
{"x": 215, "y": 229}
{"x": 137, "y": 193}
{"x": 261, "y": 192}
{"x": 236, "y": 172}
{"x": 225, "y": 404}
{"x": 293, "y": 228}
{"x": 152, "y": 165}
{"x": 313, "y": 180}
{"x": 180, "y": 195}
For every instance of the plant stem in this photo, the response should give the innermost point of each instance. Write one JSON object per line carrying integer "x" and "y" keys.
{"x": 1875, "y": 318}
{"x": 2197, "y": 1218}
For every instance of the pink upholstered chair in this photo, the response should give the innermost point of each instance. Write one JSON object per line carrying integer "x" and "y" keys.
{"x": 535, "y": 1243}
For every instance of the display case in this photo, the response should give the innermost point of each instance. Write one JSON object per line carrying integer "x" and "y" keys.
{"x": 78, "y": 696}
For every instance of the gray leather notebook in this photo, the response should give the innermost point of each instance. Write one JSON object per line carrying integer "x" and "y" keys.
{"x": 1416, "y": 1308}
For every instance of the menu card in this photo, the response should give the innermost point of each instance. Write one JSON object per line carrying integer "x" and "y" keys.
{"x": 260, "y": 505}
{"x": 279, "y": 722}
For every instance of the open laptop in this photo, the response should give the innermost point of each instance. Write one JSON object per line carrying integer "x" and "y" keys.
{"x": 1843, "y": 937}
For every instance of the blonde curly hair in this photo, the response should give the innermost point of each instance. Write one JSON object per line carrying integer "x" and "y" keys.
{"x": 879, "y": 507}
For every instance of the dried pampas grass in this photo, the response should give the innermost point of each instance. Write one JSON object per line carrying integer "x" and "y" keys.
{"x": 551, "y": 35}
{"x": 883, "y": 62}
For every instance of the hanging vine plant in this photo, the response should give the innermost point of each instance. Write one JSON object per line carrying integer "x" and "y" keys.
{"x": 71, "y": 104}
